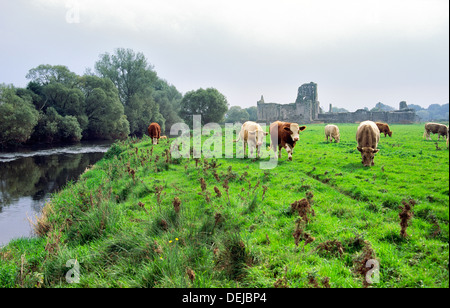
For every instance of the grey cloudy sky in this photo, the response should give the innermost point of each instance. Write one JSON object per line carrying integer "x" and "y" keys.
{"x": 360, "y": 52}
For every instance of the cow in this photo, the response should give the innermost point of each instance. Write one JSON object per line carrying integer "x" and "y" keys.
{"x": 384, "y": 129}
{"x": 154, "y": 131}
{"x": 435, "y": 128}
{"x": 368, "y": 136}
{"x": 332, "y": 132}
{"x": 284, "y": 135}
{"x": 253, "y": 135}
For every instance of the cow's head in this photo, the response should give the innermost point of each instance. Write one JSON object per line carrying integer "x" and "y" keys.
{"x": 294, "y": 130}
{"x": 368, "y": 155}
{"x": 257, "y": 136}
{"x": 390, "y": 133}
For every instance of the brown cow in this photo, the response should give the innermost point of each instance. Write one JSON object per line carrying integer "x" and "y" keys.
{"x": 368, "y": 136}
{"x": 154, "y": 131}
{"x": 435, "y": 128}
{"x": 284, "y": 135}
{"x": 384, "y": 129}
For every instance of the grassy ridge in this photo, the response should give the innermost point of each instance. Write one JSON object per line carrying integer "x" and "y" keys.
{"x": 141, "y": 219}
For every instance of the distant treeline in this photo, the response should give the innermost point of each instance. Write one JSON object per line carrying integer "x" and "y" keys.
{"x": 434, "y": 112}
{"x": 121, "y": 97}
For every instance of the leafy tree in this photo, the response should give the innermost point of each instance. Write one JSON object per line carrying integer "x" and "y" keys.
{"x": 129, "y": 71}
{"x": 141, "y": 111}
{"x": 133, "y": 77}
{"x": 236, "y": 114}
{"x": 253, "y": 113}
{"x": 169, "y": 99}
{"x": 103, "y": 108}
{"x": 52, "y": 127}
{"x": 18, "y": 117}
{"x": 57, "y": 87}
{"x": 46, "y": 74}
{"x": 209, "y": 103}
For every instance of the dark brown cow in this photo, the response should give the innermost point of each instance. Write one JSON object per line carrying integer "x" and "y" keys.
{"x": 384, "y": 129}
{"x": 284, "y": 135}
{"x": 435, "y": 128}
{"x": 154, "y": 131}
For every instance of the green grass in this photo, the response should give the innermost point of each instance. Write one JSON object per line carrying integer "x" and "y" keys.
{"x": 120, "y": 224}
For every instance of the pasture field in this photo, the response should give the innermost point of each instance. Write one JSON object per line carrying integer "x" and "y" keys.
{"x": 139, "y": 218}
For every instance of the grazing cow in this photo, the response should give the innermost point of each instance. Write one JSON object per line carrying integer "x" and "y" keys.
{"x": 284, "y": 135}
{"x": 368, "y": 136}
{"x": 384, "y": 129}
{"x": 154, "y": 131}
{"x": 253, "y": 135}
{"x": 332, "y": 132}
{"x": 435, "y": 128}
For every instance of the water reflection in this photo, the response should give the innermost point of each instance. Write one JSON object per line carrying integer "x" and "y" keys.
{"x": 27, "y": 179}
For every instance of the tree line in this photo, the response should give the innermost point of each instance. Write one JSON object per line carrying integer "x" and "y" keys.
{"x": 120, "y": 97}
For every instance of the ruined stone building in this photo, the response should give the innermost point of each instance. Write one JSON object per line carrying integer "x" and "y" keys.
{"x": 306, "y": 109}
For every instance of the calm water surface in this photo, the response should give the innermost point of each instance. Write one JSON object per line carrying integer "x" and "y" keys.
{"x": 29, "y": 177}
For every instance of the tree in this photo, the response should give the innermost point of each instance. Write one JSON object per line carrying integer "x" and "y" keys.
{"x": 236, "y": 115}
{"x": 129, "y": 71}
{"x": 57, "y": 87}
{"x": 209, "y": 103}
{"x": 253, "y": 113}
{"x": 169, "y": 99}
{"x": 133, "y": 77}
{"x": 103, "y": 108}
{"x": 45, "y": 74}
{"x": 18, "y": 117}
{"x": 53, "y": 127}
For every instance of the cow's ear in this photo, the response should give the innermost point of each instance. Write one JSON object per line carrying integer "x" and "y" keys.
{"x": 302, "y": 128}
{"x": 360, "y": 149}
{"x": 265, "y": 134}
{"x": 376, "y": 151}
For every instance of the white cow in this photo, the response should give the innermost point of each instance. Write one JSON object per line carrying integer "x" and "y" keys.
{"x": 332, "y": 132}
{"x": 253, "y": 135}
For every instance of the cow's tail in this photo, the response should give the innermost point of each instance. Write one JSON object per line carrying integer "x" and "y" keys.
{"x": 237, "y": 140}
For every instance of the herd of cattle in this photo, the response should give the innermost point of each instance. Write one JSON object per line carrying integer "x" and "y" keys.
{"x": 286, "y": 135}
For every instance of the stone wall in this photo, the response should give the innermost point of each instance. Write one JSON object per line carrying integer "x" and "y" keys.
{"x": 306, "y": 109}
{"x": 405, "y": 116}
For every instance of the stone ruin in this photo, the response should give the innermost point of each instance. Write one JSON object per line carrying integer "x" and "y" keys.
{"x": 306, "y": 110}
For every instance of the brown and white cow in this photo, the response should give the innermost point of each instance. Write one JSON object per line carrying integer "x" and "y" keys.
{"x": 368, "y": 136}
{"x": 253, "y": 135}
{"x": 284, "y": 135}
{"x": 435, "y": 128}
{"x": 332, "y": 132}
{"x": 384, "y": 129}
{"x": 154, "y": 131}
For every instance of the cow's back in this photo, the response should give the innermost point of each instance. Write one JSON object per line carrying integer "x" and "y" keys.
{"x": 154, "y": 130}
{"x": 331, "y": 130}
{"x": 368, "y": 135}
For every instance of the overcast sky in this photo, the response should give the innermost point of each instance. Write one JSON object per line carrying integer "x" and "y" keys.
{"x": 359, "y": 52}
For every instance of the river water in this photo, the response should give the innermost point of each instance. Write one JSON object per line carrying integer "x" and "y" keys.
{"x": 29, "y": 177}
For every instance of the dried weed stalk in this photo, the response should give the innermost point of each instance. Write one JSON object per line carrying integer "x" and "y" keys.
{"x": 405, "y": 216}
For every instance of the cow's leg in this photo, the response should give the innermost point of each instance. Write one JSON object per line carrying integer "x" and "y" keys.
{"x": 289, "y": 150}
